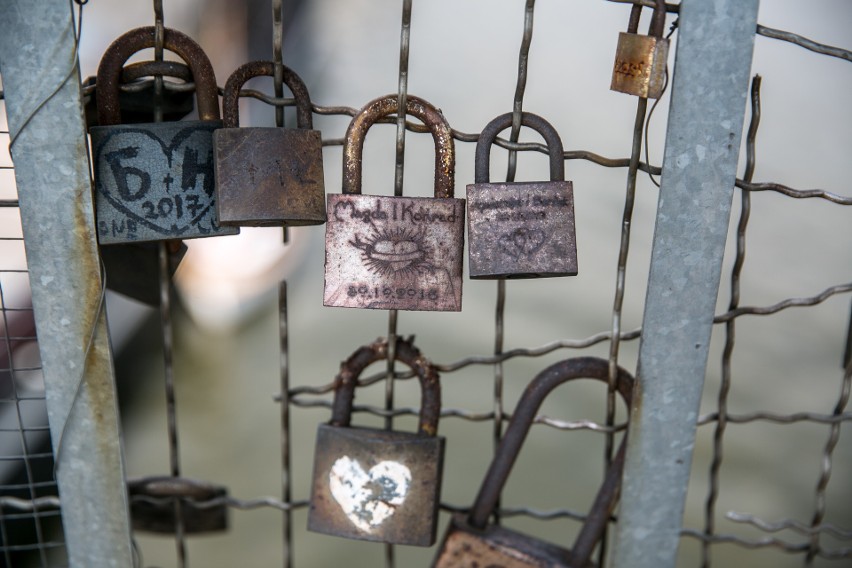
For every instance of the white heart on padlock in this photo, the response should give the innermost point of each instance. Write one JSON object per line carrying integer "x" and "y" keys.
{"x": 368, "y": 498}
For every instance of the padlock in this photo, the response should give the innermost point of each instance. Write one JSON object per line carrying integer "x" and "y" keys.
{"x": 470, "y": 541}
{"x": 395, "y": 253}
{"x": 640, "y": 60}
{"x": 203, "y": 507}
{"x": 379, "y": 485}
{"x": 521, "y": 229}
{"x": 133, "y": 269}
{"x": 268, "y": 176}
{"x": 155, "y": 181}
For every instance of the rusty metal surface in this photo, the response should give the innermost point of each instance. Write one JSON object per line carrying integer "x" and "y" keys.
{"x": 268, "y": 176}
{"x": 152, "y": 505}
{"x": 504, "y": 459}
{"x": 640, "y": 60}
{"x": 133, "y": 269}
{"x": 521, "y": 229}
{"x": 379, "y": 485}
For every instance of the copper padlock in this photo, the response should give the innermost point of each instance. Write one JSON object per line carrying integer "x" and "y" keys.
{"x": 379, "y": 485}
{"x": 395, "y": 253}
{"x": 470, "y": 541}
{"x": 268, "y": 176}
{"x": 521, "y": 229}
{"x": 640, "y": 60}
{"x": 203, "y": 507}
{"x": 155, "y": 181}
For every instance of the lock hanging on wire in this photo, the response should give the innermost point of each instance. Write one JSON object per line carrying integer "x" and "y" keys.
{"x": 395, "y": 253}
{"x": 155, "y": 181}
{"x": 640, "y": 60}
{"x": 379, "y": 485}
{"x": 470, "y": 541}
{"x": 268, "y": 176}
{"x": 521, "y": 229}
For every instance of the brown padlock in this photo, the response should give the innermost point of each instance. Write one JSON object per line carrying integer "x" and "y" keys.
{"x": 268, "y": 176}
{"x": 521, "y": 229}
{"x": 395, "y": 253}
{"x": 640, "y": 60}
{"x": 379, "y": 485}
{"x": 471, "y": 542}
{"x": 203, "y": 507}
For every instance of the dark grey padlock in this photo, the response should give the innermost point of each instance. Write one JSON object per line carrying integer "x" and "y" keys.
{"x": 155, "y": 181}
{"x": 521, "y": 229}
{"x": 471, "y": 542}
{"x": 134, "y": 269}
{"x": 379, "y": 485}
{"x": 268, "y": 176}
{"x": 154, "y": 502}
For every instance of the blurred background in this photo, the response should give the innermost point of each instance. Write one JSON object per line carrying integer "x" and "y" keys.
{"x": 464, "y": 60}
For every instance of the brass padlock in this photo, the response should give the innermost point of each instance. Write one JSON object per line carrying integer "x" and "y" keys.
{"x": 640, "y": 60}
{"x": 470, "y": 541}
{"x": 521, "y": 229}
{"x": 155, "y": 181}
{"x": 268, "y": 176}
{"x": 395, "y": 253}
{"x": 379, "y": 485}
{"x": 203, "y": 506}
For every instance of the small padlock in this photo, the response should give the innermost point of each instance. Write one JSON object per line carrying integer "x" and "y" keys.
{"x": 134, "y": 269}
{"x": 395, "y": 253}
{"x": 470, "y": 541}
{"x": 640, "y": 60}
{"x": 379, "y": 485}
{"x": 521, "y": 229}
{"x": 155, "y": 181}
{"x": 268, "y": 176}
{"x": 203, "y": 506}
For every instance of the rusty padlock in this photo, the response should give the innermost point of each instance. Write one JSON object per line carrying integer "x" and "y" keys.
{"x": 155, "y": 181}
{"x": 379, "y": 485}
{"x": 640, "y": 60}
{"x": 470, "y": 541}
{"x": 521, "y": 229}
{"x": 152, "y": 505}
{"x": 395, "y": 253}
{"x": 268, "y": 176}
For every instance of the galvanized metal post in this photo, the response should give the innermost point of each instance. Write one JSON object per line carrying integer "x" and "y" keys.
{"x": 709, "y": 91}
{"x": 43, "y": 102}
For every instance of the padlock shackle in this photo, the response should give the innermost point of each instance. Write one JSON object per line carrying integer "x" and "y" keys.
{"x": 504, "y": 121}
{"x": 658, "y": 20}
{"x": 117, "y": 54}
{"x": 445, "y": 150}
{"x": 516, "y": 433}
{"x": 346, "y": 381}
{"x": 230, "y": 100}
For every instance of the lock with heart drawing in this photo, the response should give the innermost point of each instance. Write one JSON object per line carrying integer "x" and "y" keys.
{"x": 379, "y": 485}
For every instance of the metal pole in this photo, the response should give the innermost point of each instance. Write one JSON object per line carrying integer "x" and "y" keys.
{"x": 43, "y": 103}
{"x": 709, "y": 91}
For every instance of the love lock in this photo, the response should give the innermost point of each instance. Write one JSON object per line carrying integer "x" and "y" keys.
{"x": 152, "y": 505}
{"x": 471, "y": 542}
{"x": 373, "y": 484}
{"x": 640, "y": 60}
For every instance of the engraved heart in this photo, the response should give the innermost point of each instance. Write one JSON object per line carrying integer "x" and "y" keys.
{"x": 522, "y": 242}
{"x": 368, "y": 498}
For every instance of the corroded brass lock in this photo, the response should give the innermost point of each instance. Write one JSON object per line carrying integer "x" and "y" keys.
{"x": 400, "y": 253}
{"x": 268, "y": 176}
{"x": 521, "y": 229}
{"x": 379, "y": 485}
{"x": 152, "y": 505}
{"x": 155, "y": 181}
{"x": 470, "y": 541}
{"x": 640, "y": 61}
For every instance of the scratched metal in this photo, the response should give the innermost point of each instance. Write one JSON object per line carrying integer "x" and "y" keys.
{"x": 640, "y": 60}
{"x": 521, "y": 229}
{"x": 379, "y": 485}
{"x": 471, "y": 542}
{"x": 268, "y": 176}
{"x": 151, "y": 512}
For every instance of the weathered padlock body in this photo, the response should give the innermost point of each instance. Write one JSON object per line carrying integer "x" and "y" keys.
{"x": 467, "y": 547}
{"x": 133, "y": 269}
{"x": 640, "y": 65}
{"x": 376, "y": 485}
{"x": 155, "y": 182}
{"x": 394, "y": 253}
{"x": 521, "y": 230}
{"x": 152, "y": 505}
{"x": 269, "y": 176}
